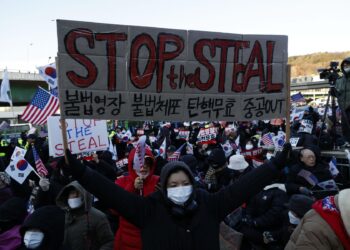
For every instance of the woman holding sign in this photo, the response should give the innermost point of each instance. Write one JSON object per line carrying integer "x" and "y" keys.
{"x": 179, "y": 216}
{"x": 142, "y": 183}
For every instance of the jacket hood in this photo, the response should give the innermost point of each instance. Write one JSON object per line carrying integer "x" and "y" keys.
{"x": 344, "y": 207}
{"x": 50, "y": 220}
{"x": 62, "y": 197}
{"x": 131, "y": 170}
{"x": 170, "y": 168}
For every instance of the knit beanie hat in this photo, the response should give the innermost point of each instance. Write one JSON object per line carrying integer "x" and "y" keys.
{"x": 217, "y": 158}
{"x": 300, "y": 204}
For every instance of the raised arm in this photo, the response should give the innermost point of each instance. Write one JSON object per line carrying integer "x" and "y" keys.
{"x": 128, "y": 205}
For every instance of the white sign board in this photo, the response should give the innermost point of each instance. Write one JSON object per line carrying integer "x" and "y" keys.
{"x": 83, "y": 135}
{"x": 109, "y": 71}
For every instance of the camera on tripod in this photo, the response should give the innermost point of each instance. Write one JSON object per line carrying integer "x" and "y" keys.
{"x": 332, "y": 73}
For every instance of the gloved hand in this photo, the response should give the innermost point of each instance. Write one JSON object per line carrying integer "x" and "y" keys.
{"x": 281, "y": 159}
{"x": 268, "y": 237}
{"x": 305, "y": 191}
{"x": 44, "y": 184}
{"x": 75, "y": 166}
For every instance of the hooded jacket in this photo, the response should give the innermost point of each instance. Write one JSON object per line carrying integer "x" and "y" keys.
{"x": 85, "y": 227}
{"x": 314, "y": 232}
{"x": 161, "y": 227}
{"x": 50, "y": 221}
{"x": 128, "y": 236}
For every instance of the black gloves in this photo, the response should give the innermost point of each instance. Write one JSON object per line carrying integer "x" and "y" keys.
{"x": 76, "y": 167}
{"x": 281, "y": 159}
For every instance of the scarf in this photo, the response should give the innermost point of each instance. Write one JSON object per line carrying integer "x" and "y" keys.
{"x": 327, "y": 209}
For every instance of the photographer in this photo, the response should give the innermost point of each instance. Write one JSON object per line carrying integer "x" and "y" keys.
{"x": 342, "y": 92}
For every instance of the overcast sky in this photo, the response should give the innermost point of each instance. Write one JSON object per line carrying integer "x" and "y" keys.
{"x": 29, "y": 36}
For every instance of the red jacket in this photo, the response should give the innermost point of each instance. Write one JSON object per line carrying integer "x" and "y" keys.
{"x": 128, "y": 236}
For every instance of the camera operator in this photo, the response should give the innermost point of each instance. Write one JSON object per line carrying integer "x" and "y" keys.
{"x": 342, "y": 92}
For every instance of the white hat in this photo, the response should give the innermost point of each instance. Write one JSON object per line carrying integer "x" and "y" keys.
{"x": 237, "y": 162}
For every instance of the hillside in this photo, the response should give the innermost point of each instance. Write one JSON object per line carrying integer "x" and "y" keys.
{"x": 306, "y": 65}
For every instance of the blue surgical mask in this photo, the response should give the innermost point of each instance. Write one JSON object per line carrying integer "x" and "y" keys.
{"x": 33, "y": 239}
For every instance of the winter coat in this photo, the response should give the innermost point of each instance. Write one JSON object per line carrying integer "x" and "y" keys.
{"x": 164, "y": 226}
{"x": 295, "y": 181}
{"x": 85, "y": 227}
{"x": 50, "y": 221}
{"x": 266, "y": 208}
{"x": 313, "y": 233}
{"x": 265, "y": 212}
{"x": 128, "y": 237}
{"x": 11, "y": 239}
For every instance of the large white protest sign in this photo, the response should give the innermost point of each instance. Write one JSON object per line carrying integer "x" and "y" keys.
{"x": 111, "y": 71}
{"x": 83, "y": 135}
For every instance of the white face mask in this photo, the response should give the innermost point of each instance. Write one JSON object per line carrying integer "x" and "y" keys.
{"x": 33, "y": 239}
{"x": 292, "y": 219}
{"x": 268, "y": 156}
{"x": 75, "y": 202}
{"x": 248, "y": 146}
{"x": 179, "y": 195}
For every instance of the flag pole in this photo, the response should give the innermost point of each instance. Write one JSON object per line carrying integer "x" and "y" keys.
{"x": 62, "y": 121}
{"x": 288, "y": 102}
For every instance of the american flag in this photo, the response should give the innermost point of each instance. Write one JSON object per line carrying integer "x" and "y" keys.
{"x": 41, "y": 107}
{"x": 267, "y": 139}
{"x": 39, "y": 165}
{"x": 176, "y": 155}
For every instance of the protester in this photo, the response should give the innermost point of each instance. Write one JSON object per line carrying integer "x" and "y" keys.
{"x": 5, "y": 190}
{"x": 12, "y": 214}
{"x": 178, "y": 216}
{"x": 262, "y": 216}
{"x": 128, "y": 236}
{"x": 43, "y": 229}
{"x": 217, "y": 175}
{"x": 326, "y": 226}
{"x": 85, "y": 226}
{"x": 304, "y": 176}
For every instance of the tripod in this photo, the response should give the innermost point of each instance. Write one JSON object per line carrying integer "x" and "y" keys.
{"x": 332, "y": 80}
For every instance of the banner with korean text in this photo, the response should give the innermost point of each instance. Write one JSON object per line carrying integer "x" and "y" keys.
{"x": 111, "y": 71}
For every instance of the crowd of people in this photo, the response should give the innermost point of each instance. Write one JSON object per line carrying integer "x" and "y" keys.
{"x": 181, "y": 188}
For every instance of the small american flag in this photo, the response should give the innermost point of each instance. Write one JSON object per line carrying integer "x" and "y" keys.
{"x": 176, "y": 155}
{"x": 39, "y": 165}
{"x": 267, "y": 139}
{"x": 41, "y": 107}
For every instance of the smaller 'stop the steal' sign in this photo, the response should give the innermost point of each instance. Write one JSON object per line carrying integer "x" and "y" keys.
{"x": 109, "y": 71}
